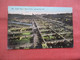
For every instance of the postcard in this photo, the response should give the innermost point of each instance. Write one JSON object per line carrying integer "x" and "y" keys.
{"x": 39, "y": 27}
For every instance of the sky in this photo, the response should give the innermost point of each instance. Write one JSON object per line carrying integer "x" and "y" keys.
{"x": 28, "y": 10}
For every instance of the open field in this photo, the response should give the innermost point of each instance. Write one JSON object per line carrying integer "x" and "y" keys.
{"x": 40, "y": 31}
